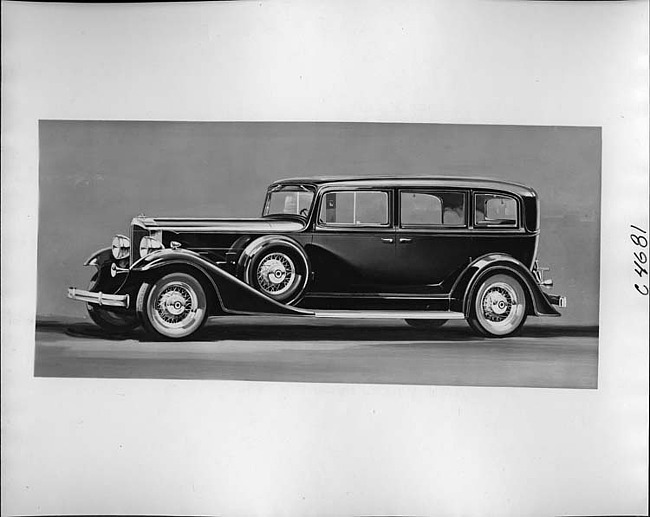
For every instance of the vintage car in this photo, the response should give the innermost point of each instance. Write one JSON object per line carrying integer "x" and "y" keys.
{"x": 422, "y": 249}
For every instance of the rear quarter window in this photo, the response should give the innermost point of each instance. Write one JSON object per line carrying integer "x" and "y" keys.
{"x": 498, "y": 210}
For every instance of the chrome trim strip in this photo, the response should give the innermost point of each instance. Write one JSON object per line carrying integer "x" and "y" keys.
{"x": 388, "y": 296}
{"x": 225, "y": 225}
{"x": 102, "y": 299}
{"x": 253, "y": 228}
{"x": 390, "y": 315}
{"x": 453, "y": 232}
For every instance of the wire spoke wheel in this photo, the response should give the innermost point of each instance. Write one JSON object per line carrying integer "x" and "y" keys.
{"x": 175, "y": 304}
{"x": 276, "y": 273}
{"x": 498, "y": 302}
{"x": 279, "y": 272}
{"x": 174, "y": 307}
{"x": 499, "y": 307}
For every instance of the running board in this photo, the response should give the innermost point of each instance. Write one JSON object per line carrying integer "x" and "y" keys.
{"x": 391, "y": 315}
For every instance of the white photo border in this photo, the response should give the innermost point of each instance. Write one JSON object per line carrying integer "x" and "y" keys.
{"x": 114, "y": 446}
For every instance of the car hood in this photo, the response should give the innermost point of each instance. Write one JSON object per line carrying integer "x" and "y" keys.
{"x": 191, "y": 224}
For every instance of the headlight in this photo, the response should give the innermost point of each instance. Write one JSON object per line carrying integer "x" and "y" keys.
{"x": 149, "y": 244}
{"x": 121, "y": 247}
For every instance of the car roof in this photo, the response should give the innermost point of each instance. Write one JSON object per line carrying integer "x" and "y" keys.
{"x": 410, "y": 181}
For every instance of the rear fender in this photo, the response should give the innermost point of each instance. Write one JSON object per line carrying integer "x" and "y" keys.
{"x": 234, "y": 296}
{"x": 466, "y": 285}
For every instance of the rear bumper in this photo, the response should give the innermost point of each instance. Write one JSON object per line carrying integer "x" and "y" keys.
{"x": 103, "y": 299}
{"x": 555, "y": 299}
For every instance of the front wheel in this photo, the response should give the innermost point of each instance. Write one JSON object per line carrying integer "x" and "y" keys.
{"x": 173, "y": 306}
{"x": 499, "y": 307}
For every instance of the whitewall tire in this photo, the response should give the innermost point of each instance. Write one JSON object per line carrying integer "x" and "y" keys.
{"x": 499, "y": 306}
{"x": 174, "y": 306}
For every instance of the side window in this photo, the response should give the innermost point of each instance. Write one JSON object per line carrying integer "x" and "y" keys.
{"x": 496, "y": 210}
{"x": 356, "y": 208}
{"x": 432, "y": 208}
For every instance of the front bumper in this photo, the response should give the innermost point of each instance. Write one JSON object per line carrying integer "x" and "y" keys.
{"x": 102, "y": 299}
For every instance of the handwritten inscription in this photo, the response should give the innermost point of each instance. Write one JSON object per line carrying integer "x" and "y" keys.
{"x": 640, "y": 242}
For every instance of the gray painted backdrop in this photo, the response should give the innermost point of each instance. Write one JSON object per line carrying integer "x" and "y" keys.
{"x": 96, "y": 175}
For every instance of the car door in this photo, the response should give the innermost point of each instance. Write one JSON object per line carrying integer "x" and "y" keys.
{"x": 432, "y": 238}
{"x": 353, "y": 246}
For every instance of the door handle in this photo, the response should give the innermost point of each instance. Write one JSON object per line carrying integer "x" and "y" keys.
{"x": 405, "y": 240}
{"x": 387, "y": 240}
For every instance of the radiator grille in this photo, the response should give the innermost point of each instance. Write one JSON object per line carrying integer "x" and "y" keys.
{"x": 137, "y": 232}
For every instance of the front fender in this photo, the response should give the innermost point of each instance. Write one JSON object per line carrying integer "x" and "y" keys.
{"x": 463, "y": 290}
{"x": 235, "y": 296}
{"x": 99, "y": 258}
{"x": 103, "y": 280}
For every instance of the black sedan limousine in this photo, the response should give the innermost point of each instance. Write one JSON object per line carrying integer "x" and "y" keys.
{"x": 422, "y": 249}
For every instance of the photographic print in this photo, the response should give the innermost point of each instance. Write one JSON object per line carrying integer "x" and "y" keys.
{"x": 325, "y": 258}
{"x": 319, "y": 252}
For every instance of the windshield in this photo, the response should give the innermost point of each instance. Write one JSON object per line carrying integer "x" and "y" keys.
{"x": 289, "y": 199}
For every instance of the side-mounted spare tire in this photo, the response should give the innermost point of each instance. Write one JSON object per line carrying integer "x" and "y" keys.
{"x": 280, "y": 270}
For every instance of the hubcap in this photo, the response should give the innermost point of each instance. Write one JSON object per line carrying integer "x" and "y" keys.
{"x": 497, "y": 304}
{"x": 500, "y": 307}
{"x": 175, "y": 304}
{"x": 276, "y": 273}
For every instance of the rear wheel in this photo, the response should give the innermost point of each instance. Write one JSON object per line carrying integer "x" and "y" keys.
{"x": 173, "y": 306}
{"x": 499, "y": 306}
{"x": 426, "y": 324}
{"x": 110, "y": 321}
